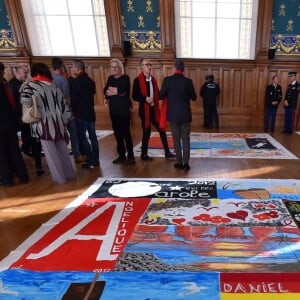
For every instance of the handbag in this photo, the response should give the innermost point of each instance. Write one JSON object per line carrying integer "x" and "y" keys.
{"x": 30, "y": 113}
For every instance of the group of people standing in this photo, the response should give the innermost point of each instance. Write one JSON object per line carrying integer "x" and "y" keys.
{"x": 66, "y": 107}
{"x": 176, "y": 93}
{"x": 273, "y": 99}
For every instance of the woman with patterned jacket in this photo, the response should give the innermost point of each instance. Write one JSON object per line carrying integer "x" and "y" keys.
{"x": 51, "y": 129}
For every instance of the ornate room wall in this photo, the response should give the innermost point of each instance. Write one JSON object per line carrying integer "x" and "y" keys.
{"x": 242, "y": 82}
{"x": 141, "y": 24}
{"x": 6, "y": 36}
{"x": 285, "y": 29}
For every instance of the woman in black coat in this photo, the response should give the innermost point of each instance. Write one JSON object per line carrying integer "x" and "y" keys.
{"x": 11, "y": 160}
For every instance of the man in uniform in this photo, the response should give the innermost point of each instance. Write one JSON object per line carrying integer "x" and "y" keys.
{"x": 273, "y": 98}
{"x": 290, "y": 103}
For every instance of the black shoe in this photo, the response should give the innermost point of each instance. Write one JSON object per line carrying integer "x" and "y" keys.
{"x": 119, "y": 160}
{"x": 146, "y": 157}
{"x": 186, "y": 167}
{"x": 40, "y": 172}
{"x": 169, "y": 155}
{"x": 178, "y": 166}
{"x": 89, "y": 166}
{"x": 24, "y": 181}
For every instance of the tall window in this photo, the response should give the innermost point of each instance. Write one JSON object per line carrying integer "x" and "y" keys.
{"x": 66, "y": 27}
{"x": 224, "y": 29}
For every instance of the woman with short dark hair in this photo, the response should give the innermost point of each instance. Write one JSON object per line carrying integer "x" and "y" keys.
{"x": 51, "y": 129}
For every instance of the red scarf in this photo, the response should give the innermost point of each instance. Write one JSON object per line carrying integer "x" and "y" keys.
{"x": 178, "y": 72}
{"x": 144, "y": 91}
{"x": 163, "y": 115}
{"x": 41, "y": 78}
{"x": 9, "y": 96}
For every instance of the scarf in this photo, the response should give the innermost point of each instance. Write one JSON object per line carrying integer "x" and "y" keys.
{"x": 163, "y": 116}
{"x": 178, "y": 72}
{"x": 9, "y": 96}
{"x": 144, "y": 91}
{"x": 41, "y": 78}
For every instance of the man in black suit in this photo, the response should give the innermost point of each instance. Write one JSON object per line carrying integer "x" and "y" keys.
{"x": 145, "y": 91}
{"x": 83, "y": 89}
{"x": 179, "y": 90}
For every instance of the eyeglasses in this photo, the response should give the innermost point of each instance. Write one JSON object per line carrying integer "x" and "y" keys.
{"x": 147, "y": 65}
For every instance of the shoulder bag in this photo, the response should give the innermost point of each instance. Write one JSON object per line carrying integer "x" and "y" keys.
{"x": 31, "y": 114}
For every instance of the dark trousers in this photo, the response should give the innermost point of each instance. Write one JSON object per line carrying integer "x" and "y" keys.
{"x": 31, "y": 146}
{"x": 121, "y": 127}
{"x": 73, "y": 137}
{"x": 90, "y": 149}
{"x": 37, "y": 152}
{"x": 26, "y": 138}
{"x": 147, "y": 133}
{"x": 270, "y": 116}
{"x": 211, "y": 117}
{"x": 11, "y": 160}
{"x": 181, "y": 137}
{"x": 289, "y": 116}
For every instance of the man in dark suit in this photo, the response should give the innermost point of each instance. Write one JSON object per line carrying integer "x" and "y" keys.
{"x": 83, "y": 89}
{"x": 179, "y": 90}
{"x": 145, "y": 91}
{"x": 290, "y": 103}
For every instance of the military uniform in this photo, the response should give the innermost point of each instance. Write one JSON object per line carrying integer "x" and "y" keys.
{"x": 291, "y": 99}
{"x": 273, "y": 98}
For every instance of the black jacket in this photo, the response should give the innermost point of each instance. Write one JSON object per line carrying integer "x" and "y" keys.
{"x": 178, "y": 90}
{"x": 209, "y": 92}
{"x": 82, "y": 90}
{"x": 273, "y": 94}
{"x": 119, "y": 104}
{"x": 8, "y": 114}
{"x": 138, "y": 96}
{"x": 14, "y": 86}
